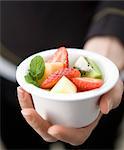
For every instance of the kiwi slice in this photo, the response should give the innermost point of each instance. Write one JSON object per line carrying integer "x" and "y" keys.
{"x": 82, "y": 64}
{"x": 88, "y": 67}
{"x": 95, "y": 72}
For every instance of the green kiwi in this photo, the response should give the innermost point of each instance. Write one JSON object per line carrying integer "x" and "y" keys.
{"x": 95, "y": 72}
{"x": 82, "y": 64}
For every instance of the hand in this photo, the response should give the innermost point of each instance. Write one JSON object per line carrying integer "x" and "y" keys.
{"x": 73, "y": 136}
{"x": 110, "y": 47}
{"x": 52, "y": 133}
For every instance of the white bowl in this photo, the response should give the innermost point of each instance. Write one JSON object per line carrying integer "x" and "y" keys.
{"x": 71, "y": 110}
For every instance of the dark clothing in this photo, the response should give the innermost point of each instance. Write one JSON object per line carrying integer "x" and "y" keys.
{"x": 29, "y": 27}
{"x": 109, "y": 20}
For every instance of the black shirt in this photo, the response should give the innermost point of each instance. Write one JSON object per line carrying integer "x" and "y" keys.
{"x": 32, "y": 26}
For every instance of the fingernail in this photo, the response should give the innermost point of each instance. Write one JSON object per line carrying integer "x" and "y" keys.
{"x": 109, "y": 102}
{"x": 50, "y": 139}
{"x": 25, "y": 112}
{"x": 20, "y": 92}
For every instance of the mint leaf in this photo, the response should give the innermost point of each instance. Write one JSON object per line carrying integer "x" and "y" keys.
{"x": 30, "y": 79}
{"x": 37, "y": 67}
{"x": 36, "y": 70}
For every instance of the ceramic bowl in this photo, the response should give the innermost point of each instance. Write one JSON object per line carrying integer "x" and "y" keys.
{"x": 70, "y": 110}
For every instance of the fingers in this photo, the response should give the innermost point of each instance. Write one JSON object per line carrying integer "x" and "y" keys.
{"x": 38, "y": 124}
{"x": 24, "y": 98}
{"x": 111, "y": 99}
{"x": 32, "y": 117}
{"x": 72, "y": 136}
{"x": 69, "y": 135}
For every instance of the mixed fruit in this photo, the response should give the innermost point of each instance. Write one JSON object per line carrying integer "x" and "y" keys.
{"x": 57, "y": 76}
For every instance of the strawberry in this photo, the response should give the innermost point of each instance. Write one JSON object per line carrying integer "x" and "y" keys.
{"x": 54, "y": 78}
{"x": 49, "y": 69}
{"x": 85, "y": 83}
{"x": 61, "y": 55}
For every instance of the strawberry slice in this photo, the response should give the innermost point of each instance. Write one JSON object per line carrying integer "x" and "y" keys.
{"x": 85, "y": 83}
{"x": 61, "y": 55}
{"x": 54, "y": 78}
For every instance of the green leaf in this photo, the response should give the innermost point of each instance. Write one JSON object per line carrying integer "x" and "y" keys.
{"x": 37, "y": 67}
{"x": 30, "y": 79}
{"x": 36, "y": 70}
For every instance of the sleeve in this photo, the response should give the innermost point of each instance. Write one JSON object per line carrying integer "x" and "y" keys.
{"x": 108, "y": 20}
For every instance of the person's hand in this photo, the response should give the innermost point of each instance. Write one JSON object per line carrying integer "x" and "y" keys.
{"x": 51, "y": 133}
{"x": 113, "y": 49}
{"x": 73, "y": 136}
{"x": 109, "y": 47}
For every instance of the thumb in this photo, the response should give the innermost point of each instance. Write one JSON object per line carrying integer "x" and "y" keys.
{"x": 106, "y": 103}
{"x": 112, "y": 98}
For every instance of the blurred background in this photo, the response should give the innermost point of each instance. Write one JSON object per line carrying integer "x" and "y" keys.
{"x": 28, "y": 27}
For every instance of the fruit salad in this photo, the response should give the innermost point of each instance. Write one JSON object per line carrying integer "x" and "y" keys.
{"x": 57, "y": 76}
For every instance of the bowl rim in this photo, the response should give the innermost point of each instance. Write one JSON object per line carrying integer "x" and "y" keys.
{"x": 68, "y": 97}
